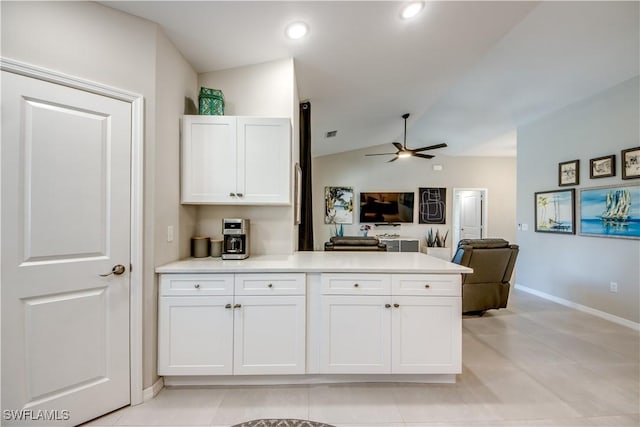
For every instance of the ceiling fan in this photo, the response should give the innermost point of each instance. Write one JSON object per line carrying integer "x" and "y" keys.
{"x": 403, "y": 151}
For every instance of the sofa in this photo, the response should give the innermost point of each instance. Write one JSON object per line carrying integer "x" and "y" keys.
{"x": 354, "y": 243}
{"x": 492, "y": 261}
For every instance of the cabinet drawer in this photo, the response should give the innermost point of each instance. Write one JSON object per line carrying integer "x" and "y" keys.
{"x": 426, "y": 284}
{"x": 356, "y": 284}
{"x": 196, "y": 284}
{"x": 270, "y": 284}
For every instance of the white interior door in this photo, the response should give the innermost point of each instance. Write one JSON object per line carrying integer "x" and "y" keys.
{"x": 470, "y": 212}
{"x": 66, "y": 166}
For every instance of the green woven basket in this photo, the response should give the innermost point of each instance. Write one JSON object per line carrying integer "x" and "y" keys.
{"x": 211, "y": 102}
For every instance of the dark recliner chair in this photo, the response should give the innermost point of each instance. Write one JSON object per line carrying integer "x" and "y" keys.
{"x": 488, "y": 286}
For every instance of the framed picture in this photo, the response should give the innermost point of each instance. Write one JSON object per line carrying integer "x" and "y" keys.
{"x": 631, "y": 163}
{"x": 338, "y": 205}
{"x": 297, "y": 196}
{"x": 555, "y": 211}
{"x": 432, "y": 205}
{"x": 569, "y": 173}
{"x": 602, "y": 167}
{"x": 610, "y": 211}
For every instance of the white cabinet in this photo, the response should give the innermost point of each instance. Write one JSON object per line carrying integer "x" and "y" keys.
{"x": 195, "y": 335}
{"x": 236, "y": 160}
{"x": 413, "y": 327}
{"x": 269, "y": 335}
{"x": 356, "y": 334}
{"x": 241, "y": 334}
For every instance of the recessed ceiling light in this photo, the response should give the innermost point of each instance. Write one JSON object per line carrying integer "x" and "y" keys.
{"x": 412, "y": 9}
{"x": 297, "y": 30}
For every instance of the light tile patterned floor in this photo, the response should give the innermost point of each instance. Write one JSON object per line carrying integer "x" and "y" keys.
{"x": 534, "y": 364}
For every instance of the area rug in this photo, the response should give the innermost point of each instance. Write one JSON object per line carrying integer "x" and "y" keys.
{"x": 282, "y": 423}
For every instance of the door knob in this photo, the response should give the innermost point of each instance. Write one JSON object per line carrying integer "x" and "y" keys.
{"x": 117, "y": 270}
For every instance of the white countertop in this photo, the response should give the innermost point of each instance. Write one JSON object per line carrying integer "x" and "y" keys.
{"x": 320, "y": 262}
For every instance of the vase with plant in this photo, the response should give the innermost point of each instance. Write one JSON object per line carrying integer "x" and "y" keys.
{"x": 364, "y": 228}
{"x": 436, "y": 240}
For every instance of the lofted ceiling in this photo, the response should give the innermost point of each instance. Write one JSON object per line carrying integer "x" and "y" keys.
{"x": 469, "y": 72}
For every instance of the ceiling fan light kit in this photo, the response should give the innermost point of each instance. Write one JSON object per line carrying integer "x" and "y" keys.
{"x": 404, "y": 152}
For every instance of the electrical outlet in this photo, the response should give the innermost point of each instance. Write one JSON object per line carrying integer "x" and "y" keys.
{"x": 613, "y": 287}
{"x": 170, "y": 233}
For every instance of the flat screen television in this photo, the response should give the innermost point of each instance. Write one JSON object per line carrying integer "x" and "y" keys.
{"x": 386, "y": 207}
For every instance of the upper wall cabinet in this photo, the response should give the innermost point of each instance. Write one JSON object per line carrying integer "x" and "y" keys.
{"x": 230, "y": 160}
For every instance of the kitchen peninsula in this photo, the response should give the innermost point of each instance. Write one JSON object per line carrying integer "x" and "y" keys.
{"x": 310, "y": 317}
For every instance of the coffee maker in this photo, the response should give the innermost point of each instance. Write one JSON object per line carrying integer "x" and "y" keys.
{"x": 235, "y": 232}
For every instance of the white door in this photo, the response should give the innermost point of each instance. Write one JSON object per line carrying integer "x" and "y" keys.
{"x": 264, "y": 160}
{"x": 195, "y": 335}
{"x": 426, "y": 335}
{"x": 65, "y": 221}
{"x": 471, "y": 214}
{"x": 209, "y": 159}
{"x": 269, "y": 335}
{"x": 355, "y": 334}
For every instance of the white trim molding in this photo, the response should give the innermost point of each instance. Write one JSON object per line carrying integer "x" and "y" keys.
{"x": 580, "y": 307}
{"x": 151, "y": 392}
{"x": 137, "y": 145}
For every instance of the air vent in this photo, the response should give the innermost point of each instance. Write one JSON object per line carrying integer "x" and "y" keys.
{"x": 331, "y": 133}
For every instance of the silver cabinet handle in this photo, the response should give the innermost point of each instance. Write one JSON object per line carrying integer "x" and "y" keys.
{"x": 387, "y": 306}
{"x": 227, "y": 306}
{"x": 240, "y": 195}
{"x": 237, "y": 306}
{"x": 396, "y": 305}
{"x": 270, "y": 285}
{"x": 232, "y": 194}
{"x": 356, "y": 285}
{"x": 116, "y": 270}
{"x": 427, "y": 286}
{"x": 197, "y": 286}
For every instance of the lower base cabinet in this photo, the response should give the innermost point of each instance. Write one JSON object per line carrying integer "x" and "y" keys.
{"x": 392, "y": 333}
{"x": 200, "y": 334}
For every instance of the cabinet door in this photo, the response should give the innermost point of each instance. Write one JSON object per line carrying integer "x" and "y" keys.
{"x": 269, "y": 335}
{"x": 209, "y": 159}
{"x": 355, "y": 334}
{"x": 426, "y": 335}
{"x": 264, "y": 155}
{"x": 195, "y": 335}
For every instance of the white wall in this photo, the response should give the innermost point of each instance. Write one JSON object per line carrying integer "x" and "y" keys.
{"x": 176, "y": 88}
{"x": 94, "y": 42}
{"x": 267, "y": 90}
{"x": 579, "y": 268}
{"x": 353, "y": 169}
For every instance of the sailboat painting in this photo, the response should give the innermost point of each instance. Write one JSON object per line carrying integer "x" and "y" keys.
{"x": 610, "y": 211}
{"x": 555, "y": 211}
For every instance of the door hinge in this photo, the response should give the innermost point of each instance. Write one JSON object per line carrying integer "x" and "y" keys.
{"x": 130, "y": 268}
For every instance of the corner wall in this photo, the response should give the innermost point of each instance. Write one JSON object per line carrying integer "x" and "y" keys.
{"x": 353, "y": 169}
{"x": 579, "y": 268}
{"x": 267, "y": 90}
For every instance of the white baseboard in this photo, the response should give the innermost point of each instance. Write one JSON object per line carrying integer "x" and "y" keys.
{"x": 580, "y": 307}
{"x": 151, "y": 392}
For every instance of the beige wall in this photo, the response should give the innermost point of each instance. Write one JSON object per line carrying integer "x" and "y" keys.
{"x": 353, "y": 169}
{"x": 176, "y": 89}
{"x": 94, "y": 42}
{"x": 267, "y": 90}
{"x": 580, "y": 268}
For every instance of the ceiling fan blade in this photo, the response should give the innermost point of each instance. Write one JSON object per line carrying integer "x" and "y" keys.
{"x": 393, "y": 160}
{"x": 423, "y": 156}
{"x": 379, "y": 154}
{"x": 399, "y": 146}
{"x": 430, "y": 147}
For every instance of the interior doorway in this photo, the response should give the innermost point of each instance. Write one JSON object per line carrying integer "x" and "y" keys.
{"x": 469, "y": 214}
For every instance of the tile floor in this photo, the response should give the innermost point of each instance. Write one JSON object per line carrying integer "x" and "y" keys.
{"x": 536, "y": 363}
